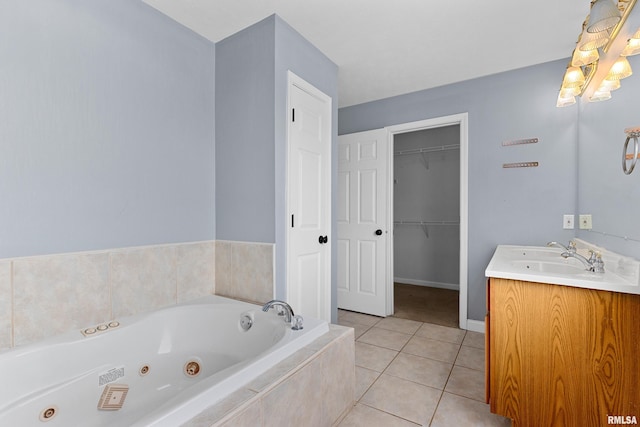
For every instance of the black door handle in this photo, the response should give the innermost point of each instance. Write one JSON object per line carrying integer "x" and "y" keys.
{"x": 323, "y": 239}
{"x": 378, "y": 232}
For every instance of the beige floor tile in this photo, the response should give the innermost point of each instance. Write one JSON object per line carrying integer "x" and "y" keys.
{"x": 373, "y": 357}
{"x": 358, "y": 329}
{"x": 471, "y": 357}
{"x": 427, "y": 372}
{"x": 365, "y": 416}
{"x": 474, "y": 339}
{"x": 433, "y": 349}
{"x": 402, "y": 398}
{"x": 364, "y": 379}
{"x": 466, "y": 382}
{"x": 353, "y": 317}
{"x": 385, "y": 338}
{"x": 441, "y": 333}
{"x": 459, "y": 411}
{"x": 399, "y": 325}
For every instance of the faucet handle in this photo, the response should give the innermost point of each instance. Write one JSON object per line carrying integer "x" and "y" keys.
{"x": 598, "y": 263}
{"x": 296, "y": 322}
{"x": 572, "y": 246}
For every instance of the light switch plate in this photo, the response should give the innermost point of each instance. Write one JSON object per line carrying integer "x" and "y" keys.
{"x": 585, "y": 222}
{"x": 567, "y": 222}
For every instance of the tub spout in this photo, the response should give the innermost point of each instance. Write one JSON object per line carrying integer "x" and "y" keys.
{"x": 288, "y": 311}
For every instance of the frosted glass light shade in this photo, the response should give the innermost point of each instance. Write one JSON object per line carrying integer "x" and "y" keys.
{"x": 592, "y": 41}
{"x": 609, "y": 85}
{"x": 632, "y": 48}
{"x": 565, "y": 101}
{"x": 573, "y": 78}
{"x": 584, "y": 57}
{"x": 620, "y": 69}
{"x": 600, "y": 95}
{"x": 604, "y": 15}
{"x": 567, "y": 92}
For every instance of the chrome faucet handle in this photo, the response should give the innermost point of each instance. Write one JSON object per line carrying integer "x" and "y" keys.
{"x": 598, "y": 263}
{"x": 296, "y": 322}
{"x": 572, "y": 246}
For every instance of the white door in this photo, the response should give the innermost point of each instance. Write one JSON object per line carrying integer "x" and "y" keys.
{"x": 362, "y": 222}
{"x": 309, "y": 200}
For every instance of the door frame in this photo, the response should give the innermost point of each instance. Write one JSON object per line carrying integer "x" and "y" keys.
{"x": 300, "y": 83}
{"x": 461, "y": 119}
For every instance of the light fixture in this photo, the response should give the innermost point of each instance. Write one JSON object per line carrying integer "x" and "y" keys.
{"x": 621, "y": 69}
{"x": 633, "y": 45}
{"x": 610, "y": 33}
{"x": 590, "y": 41}
{"x": 604, "y": 15}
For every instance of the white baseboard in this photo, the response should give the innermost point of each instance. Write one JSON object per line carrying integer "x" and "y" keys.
{"x": 451, "y": 286}
{"x": 475, "y": 325}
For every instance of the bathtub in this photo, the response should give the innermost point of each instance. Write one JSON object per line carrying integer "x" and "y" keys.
{"x": 157, "y": 369}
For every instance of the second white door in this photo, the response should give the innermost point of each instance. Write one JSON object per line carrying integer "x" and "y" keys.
{"x": 362, "y": 222}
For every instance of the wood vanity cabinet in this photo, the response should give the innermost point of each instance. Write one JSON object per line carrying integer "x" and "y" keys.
{"x": 561, "y": 355}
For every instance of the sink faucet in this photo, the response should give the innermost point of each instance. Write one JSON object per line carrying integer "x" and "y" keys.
{"x": 288, "y": 311}
{"x": 571, "y": 248}
{"x": 593, "y": 264}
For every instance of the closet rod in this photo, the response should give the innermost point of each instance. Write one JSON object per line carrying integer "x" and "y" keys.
{"x": 427, "y": 150}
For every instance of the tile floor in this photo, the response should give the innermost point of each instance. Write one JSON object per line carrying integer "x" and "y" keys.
{"x": 410, "y": 373}
{"x": 426, "y": 304}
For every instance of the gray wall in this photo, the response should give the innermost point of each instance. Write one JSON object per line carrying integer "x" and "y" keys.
{"x": 251, "y": 131}
{"x": 605, "y": 192}
{"x": 106, "y": 128}
{"x": 245, "y": 151}
{"x": 427, "y": 188}
{"x": 506, "y": 206}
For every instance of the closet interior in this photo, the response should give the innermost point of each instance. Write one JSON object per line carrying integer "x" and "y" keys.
{"x": 426, "y": 209}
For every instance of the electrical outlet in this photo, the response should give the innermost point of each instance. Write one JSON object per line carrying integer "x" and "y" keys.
{"x": 567, "y": 222}
{"x": 585, "y": 222}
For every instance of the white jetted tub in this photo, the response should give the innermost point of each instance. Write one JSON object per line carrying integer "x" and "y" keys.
{"x": 160, "y": 368}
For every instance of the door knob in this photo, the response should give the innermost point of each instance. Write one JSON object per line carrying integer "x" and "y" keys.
{"x": 323, "y": 239}
{"x": 378, "y": 232}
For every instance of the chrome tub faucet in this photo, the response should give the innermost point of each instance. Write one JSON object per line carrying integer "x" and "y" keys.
{"x": 287, "y": 312}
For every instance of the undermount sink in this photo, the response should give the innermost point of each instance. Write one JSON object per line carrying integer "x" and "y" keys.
{"x": 550, "y": 267}
{"x": 546, "y": 265}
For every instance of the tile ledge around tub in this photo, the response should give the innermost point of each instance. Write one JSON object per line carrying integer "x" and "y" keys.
{"x": 225, "y": 410}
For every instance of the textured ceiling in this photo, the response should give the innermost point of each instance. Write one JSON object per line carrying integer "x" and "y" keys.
{"x": 385, "y": 48}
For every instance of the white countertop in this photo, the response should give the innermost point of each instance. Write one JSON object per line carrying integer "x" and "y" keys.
{"x": 545, "y": 265}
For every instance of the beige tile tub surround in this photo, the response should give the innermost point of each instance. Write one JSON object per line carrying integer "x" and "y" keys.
{"x": 55, "y": 294}
{"x": 47, "y": 295}
{"x": 313, "y": 387}
{"x": 245, "y": 270}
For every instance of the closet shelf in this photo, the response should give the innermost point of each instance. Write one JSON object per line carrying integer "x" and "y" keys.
{"x": 428, "y": 150}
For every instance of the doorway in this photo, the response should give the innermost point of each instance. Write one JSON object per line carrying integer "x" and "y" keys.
{"x": 426, "y": 207}
{"x": 438, "y": 231}
{"x": 377, "y": 228}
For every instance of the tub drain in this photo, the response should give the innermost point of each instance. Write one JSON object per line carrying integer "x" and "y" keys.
{"x": 48, "y": 413}
{"x": 144, "y": 370}
{"x": 192, "y": 368}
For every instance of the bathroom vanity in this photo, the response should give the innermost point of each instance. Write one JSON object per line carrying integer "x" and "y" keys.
{"x": 562, "y": 343}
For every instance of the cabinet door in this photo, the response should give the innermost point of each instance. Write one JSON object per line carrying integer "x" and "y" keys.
{"x": 563, "y": 355}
